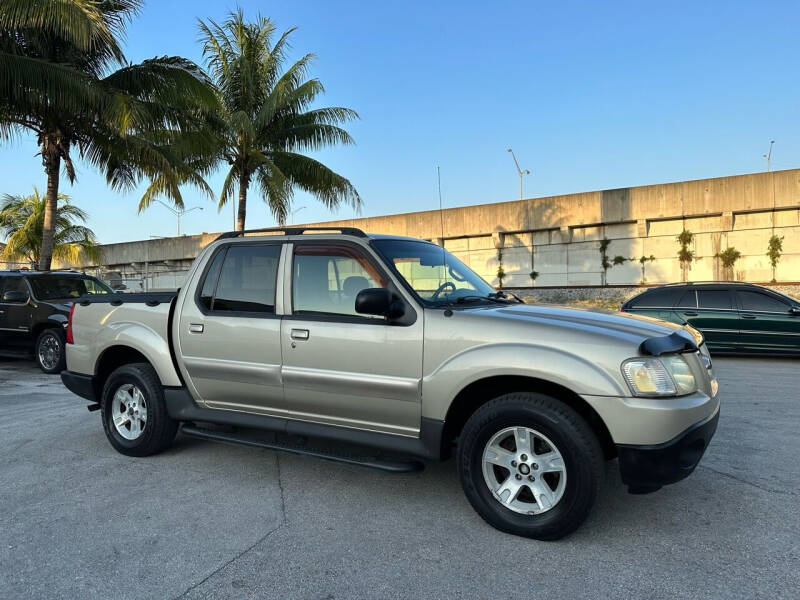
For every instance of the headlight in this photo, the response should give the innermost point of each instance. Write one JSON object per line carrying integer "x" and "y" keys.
{"x": 667, "y": 376}
{"x": 681, "y": 373}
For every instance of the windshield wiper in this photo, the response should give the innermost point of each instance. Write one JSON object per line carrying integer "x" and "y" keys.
{"x": 503, "y": 294}
{"x": 475, "y": 298}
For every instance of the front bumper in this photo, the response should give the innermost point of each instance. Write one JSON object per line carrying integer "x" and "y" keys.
{"x": 647, "y": 468}
{"x": 80, "y": 384}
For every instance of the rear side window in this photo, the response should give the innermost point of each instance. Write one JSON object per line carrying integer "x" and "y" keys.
{"x": 657, "y": 298}
{"x": 242, "y": 279}
{"x": 714, "y": 299}
{"x": 210, "y": 282}
{"x": 759, "y": 301}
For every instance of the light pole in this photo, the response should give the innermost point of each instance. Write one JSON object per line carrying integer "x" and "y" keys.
{"x": 768, "y": 155}
{"x": 293, "y": 213}
{"x": 521, "y": 172}
{"x": 179, "y": 212}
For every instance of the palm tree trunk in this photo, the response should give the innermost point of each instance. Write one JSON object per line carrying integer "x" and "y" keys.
{"x": 52, "y": 167}
{"x": 244, "y": 182}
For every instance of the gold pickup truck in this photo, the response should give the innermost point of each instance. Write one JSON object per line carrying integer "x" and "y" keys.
{"x": 393, "y": 343}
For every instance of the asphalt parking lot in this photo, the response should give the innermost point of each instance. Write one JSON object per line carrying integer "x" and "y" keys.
{"x": 207, "y": 520}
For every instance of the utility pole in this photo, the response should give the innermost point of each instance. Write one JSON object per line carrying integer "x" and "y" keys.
{"x": 521, "y": 172}
{"x": 768, "y": 155}
{"x": 179, "y": 212}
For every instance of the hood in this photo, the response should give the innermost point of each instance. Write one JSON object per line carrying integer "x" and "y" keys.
{"x": 634, "y": 327}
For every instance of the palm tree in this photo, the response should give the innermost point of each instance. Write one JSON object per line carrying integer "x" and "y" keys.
{"x": 22, "y": 221}
{"x": 57, "y": 81}
{"x": 266, "y": 120}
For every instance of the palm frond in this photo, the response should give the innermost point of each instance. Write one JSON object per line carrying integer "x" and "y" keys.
{"x": 312, "y": 176}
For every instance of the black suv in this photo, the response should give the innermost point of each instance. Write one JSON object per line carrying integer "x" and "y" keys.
{"x": 34, "y": 307}
{"x": 733, "y": 317}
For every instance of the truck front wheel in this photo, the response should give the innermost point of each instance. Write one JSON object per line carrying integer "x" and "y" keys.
{"x": 530, "y": 465}
{"x": 134, "y": 414}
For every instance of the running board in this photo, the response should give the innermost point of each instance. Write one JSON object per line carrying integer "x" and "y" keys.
{"x": 392, "y": 466}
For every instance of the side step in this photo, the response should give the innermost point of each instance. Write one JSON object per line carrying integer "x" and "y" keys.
{"x": 392, "y": 466}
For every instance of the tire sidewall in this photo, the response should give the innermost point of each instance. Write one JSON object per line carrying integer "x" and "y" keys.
{"x": 62, "y": 359}
{"x": 128, "y": 375}
{"x": 582, "y": 479}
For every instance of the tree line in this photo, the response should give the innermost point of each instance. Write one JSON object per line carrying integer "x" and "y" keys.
{"x": 165, "y": 121}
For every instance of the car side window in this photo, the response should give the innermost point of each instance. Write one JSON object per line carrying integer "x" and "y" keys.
{"x": 688, "y": 300}
{"x": 657, "y": 298}
{"x": 242, "y": 279}
{"x": 720, "y": 299}
{"x": 757, "y": 301}
{"x": 210, "y": 281}
{"x": 14, "y": 284}
{"x": 327, "y": 278}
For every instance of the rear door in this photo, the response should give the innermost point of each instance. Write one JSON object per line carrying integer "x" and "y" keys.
{"x": 714, "y": 314}
{"x": 767, "y": 322}
{"x": 229, "y": 332}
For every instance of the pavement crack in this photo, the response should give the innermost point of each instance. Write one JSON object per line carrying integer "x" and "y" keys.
{"x": 232, "y": 560}
{"x": 746, "y": 482}
{"x": 254, "y": 544}
{"x": 280, "y": 486}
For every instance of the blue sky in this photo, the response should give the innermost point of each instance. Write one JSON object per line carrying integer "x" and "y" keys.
{"x": 590, "y": 95}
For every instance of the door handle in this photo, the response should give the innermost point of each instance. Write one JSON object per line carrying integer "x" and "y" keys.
{"x": 299, "y": 334}
{"x": 748, "y": 316}
{"x": 196, "y": 328}
{"x": 690, "y": 313}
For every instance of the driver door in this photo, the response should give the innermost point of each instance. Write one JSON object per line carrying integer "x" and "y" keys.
{"x": 339, "y": 367}
{"x": 15, "y": 315}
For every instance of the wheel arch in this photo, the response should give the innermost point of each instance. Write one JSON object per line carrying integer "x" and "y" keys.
{"x": 112, "y": 358}
{"x": 479, "y": 392}
{"x": 49, "y": 323}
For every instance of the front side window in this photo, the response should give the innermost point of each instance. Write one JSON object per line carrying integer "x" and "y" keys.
{"x": 658, "y": 298}
{"x": 242, "y": 278}
{"x": 327, "y": 278}
{"x": 756, "y": 301}
{"x": 432, "y": 272}
{"x": 64, "y": 287}
{"x": 13, "y": 284}
{"x": 688, "y": 300}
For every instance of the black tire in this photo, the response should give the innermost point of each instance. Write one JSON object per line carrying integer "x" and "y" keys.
{"x": 49, "y": 341}
{"x": 573, "y": 438}
{"x": 159, "y": 429}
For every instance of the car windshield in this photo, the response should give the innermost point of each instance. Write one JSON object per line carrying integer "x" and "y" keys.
{"x": 52, "y": 287}
{"x": 433, "y": 273}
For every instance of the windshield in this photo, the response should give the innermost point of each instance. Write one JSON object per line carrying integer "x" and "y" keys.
{"x": 432, "y": 272}
{"x": 52, "y": 287}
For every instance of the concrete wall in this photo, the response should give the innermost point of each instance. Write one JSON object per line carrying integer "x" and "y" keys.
{"x": 559, "y": 236}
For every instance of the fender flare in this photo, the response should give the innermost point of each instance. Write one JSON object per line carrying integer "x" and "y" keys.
{"x": 441, "y": 387}
{"x": 144, "y": 340}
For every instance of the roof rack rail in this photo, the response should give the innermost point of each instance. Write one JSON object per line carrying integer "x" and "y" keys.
{"x": 354, "y": 231}
{"x": 710, "y": 281}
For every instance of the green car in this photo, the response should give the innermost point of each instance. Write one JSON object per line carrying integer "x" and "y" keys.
{"x": 733, "y": 317}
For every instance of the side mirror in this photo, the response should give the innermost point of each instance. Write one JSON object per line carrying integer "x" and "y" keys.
{"x": 379, "y": 301}
{"x": 795, "y": 310}
{"x": 15, "y": 296}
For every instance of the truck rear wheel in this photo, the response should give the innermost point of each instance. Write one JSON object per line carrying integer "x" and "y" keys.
{"x": 134, "y": 414}
{"x": 530, "y": 465}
